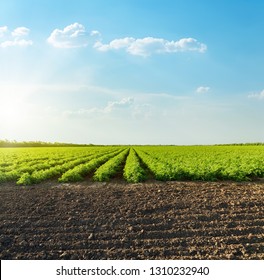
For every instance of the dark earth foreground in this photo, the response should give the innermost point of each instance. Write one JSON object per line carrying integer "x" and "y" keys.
{"x": 152, "y": 220}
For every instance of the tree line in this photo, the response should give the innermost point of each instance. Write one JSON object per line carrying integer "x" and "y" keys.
{"x": 14, "y": 143}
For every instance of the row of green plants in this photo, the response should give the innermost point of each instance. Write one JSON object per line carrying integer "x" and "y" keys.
{"x": 17, "y": 171}
{"x": 39, "y": 176}
{"x": 40, "y": 167}
{"x": 12, "y": 158}
{"x": 207, "y": 163}
{"x": 111, "y": 167}
{"x": 160, "y": 170}
{"x": 68, "y": 164}
{"x": 80, "y": 171}
{"x": 133, "y": 171}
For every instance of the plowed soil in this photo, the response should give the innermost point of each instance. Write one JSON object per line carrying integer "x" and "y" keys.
{"x": 151, "y": 220}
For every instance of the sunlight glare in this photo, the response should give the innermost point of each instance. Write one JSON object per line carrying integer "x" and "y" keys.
{"x": 12, "y": 112}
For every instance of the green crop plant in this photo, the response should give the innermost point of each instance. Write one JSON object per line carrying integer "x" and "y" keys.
{"x": 107, "y": 170}
{"x": 27, "y": 166}
{"x": 133, "y": 172}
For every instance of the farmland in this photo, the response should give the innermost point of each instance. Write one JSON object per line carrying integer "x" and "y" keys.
{"x": 27, "y": 166}
{"x": 124, "y": 202}
{"x": 151, "y": 220}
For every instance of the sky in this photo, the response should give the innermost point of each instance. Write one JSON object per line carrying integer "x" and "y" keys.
{"x": 180, "y": 72}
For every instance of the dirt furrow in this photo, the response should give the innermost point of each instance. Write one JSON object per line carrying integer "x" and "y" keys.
{"x": 152, "y": 220}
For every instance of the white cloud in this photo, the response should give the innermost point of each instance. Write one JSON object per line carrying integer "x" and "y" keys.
{"x": 115, "y": 44}
{"x": 20, "y": 32}
{"x": 259, "y": 95}
{"x": 124, "y": 103}
{"x": 72, "y": 36}
{"x": 15, "y": 38}
{"x": 202, "y": 89}
{"x": 149, "y": 45}
{"x": 95, "y": 33}
{"x": 3, "y": 30}
{"x": 20, "y": 43}
{"x": 132, "y": 106}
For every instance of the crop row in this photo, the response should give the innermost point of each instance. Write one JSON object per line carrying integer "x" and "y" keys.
{"x": 133, "y": 171}
{"x": 54, "y": 171}
{"x": 134, "y": 164}
{"x": 40, "y": 168}
{"x": 207, "y": 163}
{"x": 78, "y": 172}
{"x": 111, "y": 167}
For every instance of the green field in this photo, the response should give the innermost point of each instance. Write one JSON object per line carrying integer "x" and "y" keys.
{"x": 27, "y": 166}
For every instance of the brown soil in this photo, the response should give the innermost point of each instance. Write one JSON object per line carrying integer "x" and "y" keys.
{"x": 152, "y": 220}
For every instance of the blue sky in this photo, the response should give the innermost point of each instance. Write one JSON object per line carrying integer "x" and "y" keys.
{"x": 132, "y": 72}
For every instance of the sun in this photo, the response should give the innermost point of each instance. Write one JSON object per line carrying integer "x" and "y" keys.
{"x": 11, "y": 115}
{"x": 12, "y": 112}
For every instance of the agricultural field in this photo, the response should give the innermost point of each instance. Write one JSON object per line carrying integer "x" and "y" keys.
{"x": 151, "y": 220}
{"x": 28, "y": 166}
{"x": 124, "y": 202}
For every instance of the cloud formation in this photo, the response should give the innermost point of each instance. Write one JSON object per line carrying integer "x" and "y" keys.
{"x": 18, "y": 37}
{"x": 202, "y": 89}
{"x": 20, "y": 32}
{"x": 95, "y": 33}
{"x": 72, "y": 36}
{"x": 124, "y": 103}
{"x": 150, "y": 45}
{"x": 76, "y": 36}
{"x": 3, "y": 30}
{"x": 259, "y": 95}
